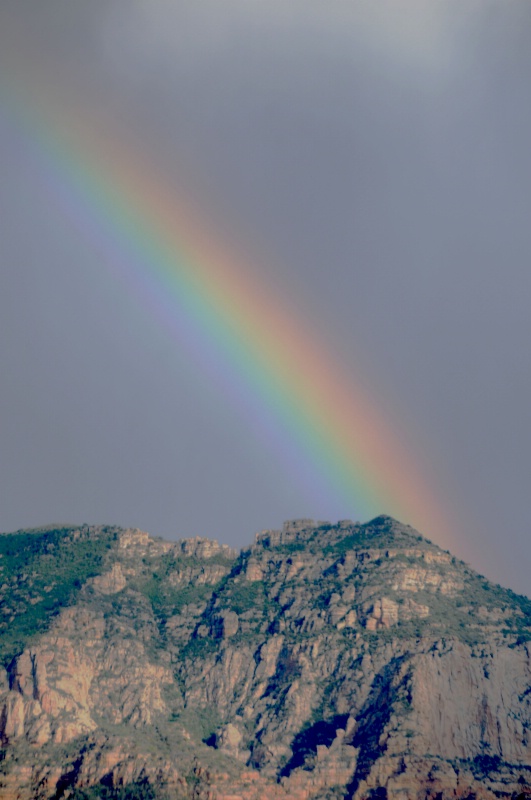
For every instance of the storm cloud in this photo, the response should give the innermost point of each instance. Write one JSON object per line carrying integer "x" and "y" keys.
{"x": 374, "y": 157}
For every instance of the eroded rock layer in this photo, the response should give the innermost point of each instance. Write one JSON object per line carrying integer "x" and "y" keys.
{"x": 325, "y": 661}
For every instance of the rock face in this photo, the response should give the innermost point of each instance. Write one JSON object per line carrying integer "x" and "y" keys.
{"x": 323, "y": 662}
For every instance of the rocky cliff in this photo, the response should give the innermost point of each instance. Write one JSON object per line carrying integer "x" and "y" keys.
{"x": 323, "y": 662}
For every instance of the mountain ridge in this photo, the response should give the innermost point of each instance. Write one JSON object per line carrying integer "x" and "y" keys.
{"x": 322, "y": 661}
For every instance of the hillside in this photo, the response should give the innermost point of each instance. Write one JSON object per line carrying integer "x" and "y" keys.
{"x": 323, "y": 662}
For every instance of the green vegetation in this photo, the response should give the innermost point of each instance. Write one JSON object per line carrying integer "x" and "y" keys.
{"x": 41, "y": 572}
{"x": 243, "y": 596}
{"x": 372, "y": 537}
{"x": 168, "y": 596}
{"x": 202, "y": 723}
{"x": 291, "y": 547}
{"x": 167, "y": 599}
{"x": 141, "y": 790}
{"x": 197, "y": 648}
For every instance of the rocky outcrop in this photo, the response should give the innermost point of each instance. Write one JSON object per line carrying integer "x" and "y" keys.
{"x": 59, "y": 687}
{"x": 111, "y": 582}
{"x": 324, "y": 662}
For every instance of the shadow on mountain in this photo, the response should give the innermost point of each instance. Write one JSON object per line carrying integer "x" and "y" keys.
{"x": 306, "y": 742}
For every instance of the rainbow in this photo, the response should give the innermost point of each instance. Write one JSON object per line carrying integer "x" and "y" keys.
{"x": 327, "y": 431}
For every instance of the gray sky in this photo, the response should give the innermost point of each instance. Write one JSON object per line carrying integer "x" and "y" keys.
{"x": 375, "y": 157}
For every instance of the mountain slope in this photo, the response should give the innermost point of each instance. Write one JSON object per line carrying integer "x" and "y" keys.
{"x": 325, "y": 661}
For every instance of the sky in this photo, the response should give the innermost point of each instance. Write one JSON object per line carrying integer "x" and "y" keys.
{"x": 370, "y": 163}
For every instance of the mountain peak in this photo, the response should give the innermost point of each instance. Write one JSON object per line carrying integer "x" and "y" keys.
{"x": 342, "y": 660}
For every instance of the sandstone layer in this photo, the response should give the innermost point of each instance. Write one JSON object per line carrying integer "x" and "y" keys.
{"x": 323, "y": 662}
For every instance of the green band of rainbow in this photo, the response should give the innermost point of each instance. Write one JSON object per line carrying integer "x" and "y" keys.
{"x": 226, "y": 307}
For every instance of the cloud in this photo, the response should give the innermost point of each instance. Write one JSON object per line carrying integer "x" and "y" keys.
{"x": 413, "y": 32}
{"x": 148, "y": 33}
{"x": 419, "y": 34}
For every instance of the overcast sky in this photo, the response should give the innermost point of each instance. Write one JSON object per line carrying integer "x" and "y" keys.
{"x": 374, "y": 158}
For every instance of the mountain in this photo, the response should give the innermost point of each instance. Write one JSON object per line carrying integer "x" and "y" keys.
{"x": 323, "y": 662}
